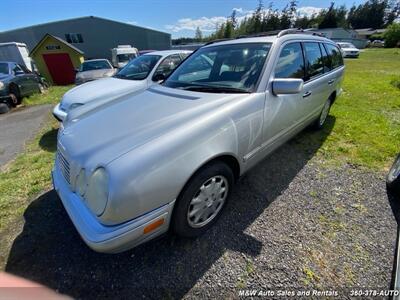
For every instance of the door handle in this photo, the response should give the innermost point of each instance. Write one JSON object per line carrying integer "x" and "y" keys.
{"x": 331, "y": 81}
{"x": 306, "y": 94}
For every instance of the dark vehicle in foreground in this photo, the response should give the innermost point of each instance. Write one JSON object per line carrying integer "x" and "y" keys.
{"x": 16, "y": 82}
{"x": 393, "y": 177}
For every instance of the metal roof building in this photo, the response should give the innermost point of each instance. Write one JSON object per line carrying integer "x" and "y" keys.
{"x": 93, "y": 35}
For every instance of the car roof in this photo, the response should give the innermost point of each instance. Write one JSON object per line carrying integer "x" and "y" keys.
{"x": 168, "y": 52}
{"x": 271, "y": 39}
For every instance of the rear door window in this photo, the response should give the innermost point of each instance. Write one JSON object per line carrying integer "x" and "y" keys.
{"x": 334, "y": 56}
{"x": 314, "y": 63}
{"x": 325, "y": 59}
{"x": 291, "y": 62}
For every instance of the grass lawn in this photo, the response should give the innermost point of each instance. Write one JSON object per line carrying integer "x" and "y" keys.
{"x": 367, "y": 114}
{"x": 51, "y": 96}
{"x": 366, "y": 131}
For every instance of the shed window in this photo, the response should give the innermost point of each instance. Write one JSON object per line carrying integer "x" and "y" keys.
{"x": 75, "y": 38}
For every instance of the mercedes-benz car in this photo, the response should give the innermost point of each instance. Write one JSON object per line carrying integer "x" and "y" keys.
{"x": 137, "y": 75}
{"x": 348, "y": 49}
{"x": 167, "y": 158}
{"x": 93, "y": 69}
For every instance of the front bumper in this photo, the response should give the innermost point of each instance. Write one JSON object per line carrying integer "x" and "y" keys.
{"x": 108, "y": 239}
{"x": 351, "y": 54}
{"x": 59, "y": 114}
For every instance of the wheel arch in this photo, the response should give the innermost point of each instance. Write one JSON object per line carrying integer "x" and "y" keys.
{"x": 229, "y": 159}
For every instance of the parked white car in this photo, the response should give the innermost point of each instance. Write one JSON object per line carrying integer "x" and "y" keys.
{"x": 167, "y": 157}
{"x": 93, "y": 69}
{"x": 348, "y": 49}
{"x": 139, "y": 74}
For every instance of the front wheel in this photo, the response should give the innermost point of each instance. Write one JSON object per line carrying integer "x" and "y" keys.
{"x": 319, "y": 123}
{"x": 202, "y": 200}
{"x": 4, "y": 108}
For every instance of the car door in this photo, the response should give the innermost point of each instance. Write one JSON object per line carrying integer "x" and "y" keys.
{"x": 166, "y": 67}
{"x": 316, "y": 90}
{"x": 31, "y": 79}
{"x": 21, "y": 80}
{"x": 284, "y": 112}
{"x": 334, "y": 65}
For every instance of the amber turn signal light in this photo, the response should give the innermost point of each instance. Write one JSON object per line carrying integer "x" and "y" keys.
{"x": 153, "y": 226}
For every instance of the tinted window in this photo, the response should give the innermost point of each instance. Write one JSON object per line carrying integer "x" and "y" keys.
{"x": 325, "y": 59}
{"x": 168, "y": 65}
{"x": 17, "y": 69}
{"x": 138, "y": 68}
{"x": 334, "y": 56}
{"x": 291, "y": 62}
{"x": 313, "y": 60}
{"x": 223, "y": 68}
{"x": 4, "y": 68}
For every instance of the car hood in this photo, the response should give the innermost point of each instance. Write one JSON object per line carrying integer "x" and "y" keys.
{"x": 95, "y": 73}
{"x": 5, "y": 76}
{"x": 102, "y": 89}
{"x": 101, "y": 135}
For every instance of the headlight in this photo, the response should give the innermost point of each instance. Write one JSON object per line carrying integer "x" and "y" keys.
{"x": 80, "y": 183}
{"x": 97, "y": 191}
{"x": 74, "y": 105}
{"x": 2, "y": 85}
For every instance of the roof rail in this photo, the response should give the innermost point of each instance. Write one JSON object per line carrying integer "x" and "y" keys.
{"x": 278, "y": 33}
{"x": 298, "y": 31}
{"x": 217, "y": 41}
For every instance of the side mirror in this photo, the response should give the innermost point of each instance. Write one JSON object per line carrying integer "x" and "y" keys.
{"x": 285, "y": 86}
{"x": 19, "y": 73}
{"x": 160, "y": 77}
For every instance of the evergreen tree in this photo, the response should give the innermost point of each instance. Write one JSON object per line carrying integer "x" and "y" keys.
{"x": 198, "y": 35}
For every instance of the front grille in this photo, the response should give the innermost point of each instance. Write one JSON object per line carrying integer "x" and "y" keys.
{"x": 63, "y": 164}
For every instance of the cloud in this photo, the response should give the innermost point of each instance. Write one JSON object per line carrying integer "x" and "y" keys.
{"x": 308, "y": 11}
{"x": 204, "y": 23}
{"x": 208, "y": 24}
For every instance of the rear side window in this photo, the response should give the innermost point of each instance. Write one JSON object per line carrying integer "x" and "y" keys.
{"x": 334, "y": 56}
{"x": 325, "y": 59}
{"x": 291, "y": 62}
{"x": 314, "y": 64}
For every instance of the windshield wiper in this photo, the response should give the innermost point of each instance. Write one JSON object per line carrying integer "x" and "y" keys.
{"x": 214, "y": 89}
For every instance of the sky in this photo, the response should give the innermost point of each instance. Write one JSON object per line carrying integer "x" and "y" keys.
{"x": 178, "y": 17}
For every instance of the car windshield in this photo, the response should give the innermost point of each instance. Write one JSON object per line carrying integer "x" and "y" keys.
{"x": 221, "y": 69}
{"x": 126, "y": 57}
{"x": 94, "y": 65}
{"x": 4, "y": 68}
{"x": 139, "y": 68}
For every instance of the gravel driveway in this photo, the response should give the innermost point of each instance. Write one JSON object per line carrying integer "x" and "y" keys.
{"x": 17, "y": 127}
{"x": 292, "y": 223}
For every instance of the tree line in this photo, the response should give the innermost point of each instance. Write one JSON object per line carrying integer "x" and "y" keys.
{"x": 371, "y": 14}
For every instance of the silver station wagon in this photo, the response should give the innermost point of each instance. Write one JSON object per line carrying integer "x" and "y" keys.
{"x": 167, "y": 157}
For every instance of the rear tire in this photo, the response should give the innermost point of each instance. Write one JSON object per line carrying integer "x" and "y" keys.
{"x": 320, "y": 122}
{"x": 41, "y": 88}
{"x": 202, "y": 200}
{"x": 4, "y": 108}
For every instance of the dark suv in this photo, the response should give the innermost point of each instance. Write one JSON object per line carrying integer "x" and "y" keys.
{"x": 16, "y": 82}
